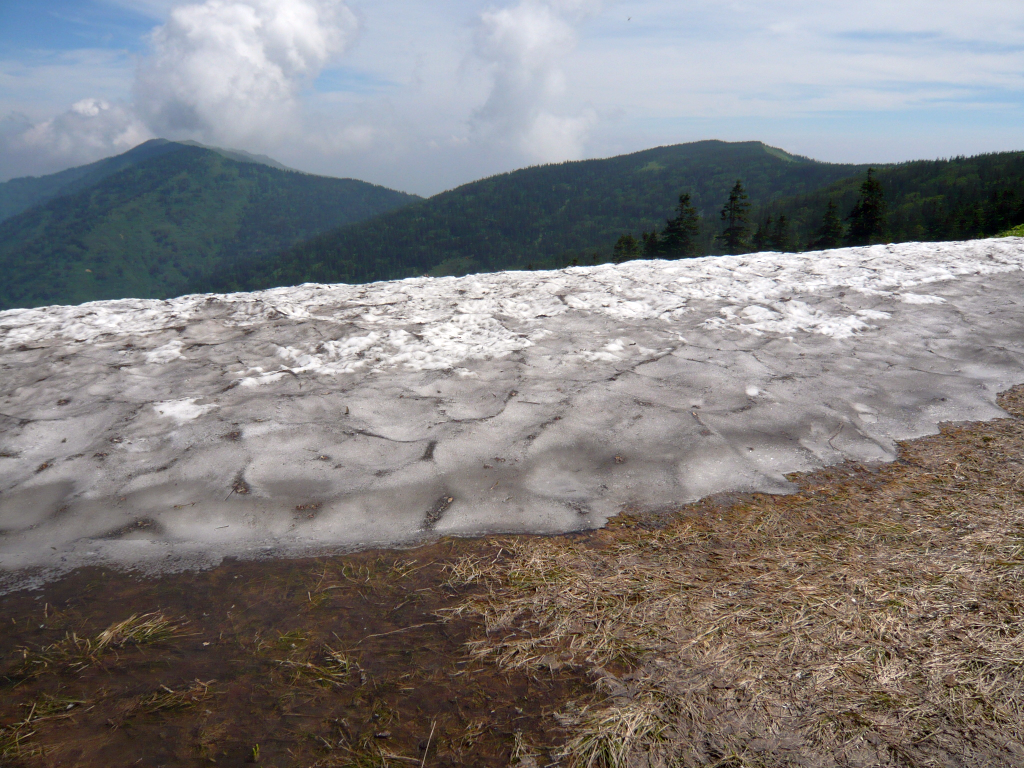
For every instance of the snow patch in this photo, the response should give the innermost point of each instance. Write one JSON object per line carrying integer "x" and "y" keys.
{"x": 921, "y": 298}
{"x": 182, "y": 410}
{"x": 510, "y": 402}
{"x": 165, "y": 354}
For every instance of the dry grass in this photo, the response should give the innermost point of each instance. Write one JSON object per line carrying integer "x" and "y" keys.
{"x": 612, "y": 735}
{"x": 73, "y": 653}
{"x": 168, "y": 698}
{"x": 330, "y": 668}
{"x": 14, "y": 737}
{"x": 165, "y": 699}
{"x": 874, "y": 618}
{"x": 524, "y": 754}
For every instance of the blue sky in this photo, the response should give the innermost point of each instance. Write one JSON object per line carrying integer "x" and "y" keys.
{"x": 33, "y": 25}
{"x": 423, "y": 95}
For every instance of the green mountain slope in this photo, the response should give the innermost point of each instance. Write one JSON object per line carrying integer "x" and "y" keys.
{"x": 20, "y": 194}
{"x": 536, "y": 215}
{"x": 167, "y": 220}
{"x": 927, "y": 200}
{"x": 241, "y": 156}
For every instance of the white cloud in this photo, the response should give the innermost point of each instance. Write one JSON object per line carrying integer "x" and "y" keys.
{"x": 522, "y": 46}
{"x": 232, "y": 70}
{"x": 91, "y": 130}
{"x": 439, "y": 92}
{"x": 222, "y": 71}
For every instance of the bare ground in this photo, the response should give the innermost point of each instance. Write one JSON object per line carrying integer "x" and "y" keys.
{"x": 875, "y": 617}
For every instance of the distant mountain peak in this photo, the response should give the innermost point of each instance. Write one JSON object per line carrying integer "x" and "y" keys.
{"x": 239, "y": 155}
{"x": 20, "y": 194}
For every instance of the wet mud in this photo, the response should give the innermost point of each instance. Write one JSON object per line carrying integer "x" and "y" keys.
{"x": 254, "y": 676}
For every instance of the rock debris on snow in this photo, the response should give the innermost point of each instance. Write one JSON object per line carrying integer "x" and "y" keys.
{"x": 168, "y": 434}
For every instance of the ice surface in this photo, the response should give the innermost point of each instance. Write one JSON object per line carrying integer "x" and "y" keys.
{"x": 168, "y": 434}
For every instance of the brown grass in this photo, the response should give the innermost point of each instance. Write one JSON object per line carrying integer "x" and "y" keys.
{"x": 72, "y": 653}
{"x": 330, "y": 668}
{"x": 874, "y": 618}
{"x": 15, "y": 736}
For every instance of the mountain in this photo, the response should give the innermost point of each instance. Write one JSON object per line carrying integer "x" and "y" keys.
{"x": 242, "y": 156}
{"x": 21, "y": 194}
{"x": 961, "y": 198}
{"x": 538, "y": 216}
{"x": 148, "y": 223}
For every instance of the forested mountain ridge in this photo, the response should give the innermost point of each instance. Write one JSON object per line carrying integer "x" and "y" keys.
{"x": 535, "y": 216}
{"x": 961, "y": 198}
{"x": 22, "y": 193}
{"x": 166, "y": 220}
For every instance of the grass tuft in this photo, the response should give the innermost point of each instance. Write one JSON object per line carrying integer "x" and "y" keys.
{"x": 331, "y": 668}
{"x": 72, "y": 654}
{"x": 613, "y": 736}
{"x": 137, "y": 630}
{"x": 13, "y": 737}
{"x": 524, "y": 754}
{"x": 170, "y": 699}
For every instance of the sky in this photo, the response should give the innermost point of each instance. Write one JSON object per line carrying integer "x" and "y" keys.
{"x": 424, "y": 95}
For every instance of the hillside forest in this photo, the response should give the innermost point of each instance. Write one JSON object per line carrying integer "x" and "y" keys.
{"x": 960, "y": 199}
{"x": 539, "y": 217}
{"x": 564, "y": 215}
{"x": 149, "y": 223}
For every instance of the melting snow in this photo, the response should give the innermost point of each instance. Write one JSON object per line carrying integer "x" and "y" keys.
{"x": 182, "y": 410}
{"x": 170, "y": 433}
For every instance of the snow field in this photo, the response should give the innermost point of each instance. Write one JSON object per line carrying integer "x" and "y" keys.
{"x": 168, "y": 434}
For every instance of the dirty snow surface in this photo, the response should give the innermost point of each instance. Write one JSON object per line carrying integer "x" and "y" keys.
{"x": 169, "y": 434}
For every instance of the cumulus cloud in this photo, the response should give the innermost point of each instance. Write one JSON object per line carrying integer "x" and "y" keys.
{"x": 232, "y": 70}
{"x": 223, "y": 71}
{"x": 92, "y": 129}
{"x": 523, "y": 45}
{"x": 438, "y": 93}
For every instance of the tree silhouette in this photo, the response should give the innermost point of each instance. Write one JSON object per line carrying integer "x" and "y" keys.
{"x": 778, "y": 240}
{"x": 830, "y": 234}
{"x": 734, "y": 214}
{"x": 626, "y": 248}
{"x": 679, "y": 240}
{"x": 867, "y": 219}
{"x": 772, "y": 235}
{"x": 762, "y": 235}
{"x": 651, "y": 244}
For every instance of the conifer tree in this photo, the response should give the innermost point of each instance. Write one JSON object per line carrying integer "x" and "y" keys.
{"x": 734, "y": 214}
{"x": 652, "y": 244}
{"x": 762, "y": 235}
{"x": 679, "y": 240}
{"x": 626, "y": 249}
{"x": 830, "y": 235}
{"x": 867, "y": 219}
{"x": 778, "y": 239}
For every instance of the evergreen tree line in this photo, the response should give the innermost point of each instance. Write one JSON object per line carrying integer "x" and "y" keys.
{"x": 866, "y": 225}
{"x": 960, "y": 215}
